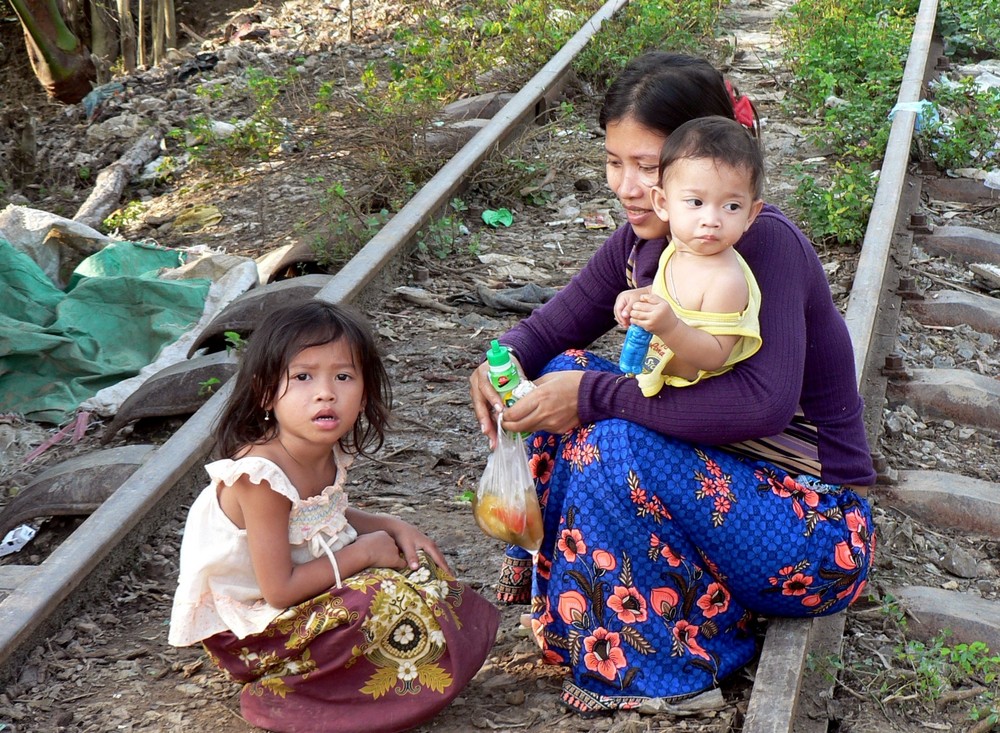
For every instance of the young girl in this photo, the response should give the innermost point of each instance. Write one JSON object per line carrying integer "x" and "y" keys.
{"x": 702, "y": 307}
{"x": 335, "y": 620}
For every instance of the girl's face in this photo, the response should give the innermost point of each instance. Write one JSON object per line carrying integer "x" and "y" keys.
{"x": 633, "y": 158}
{"x": 708, "y": 205}
{"x": 321, "y": 396}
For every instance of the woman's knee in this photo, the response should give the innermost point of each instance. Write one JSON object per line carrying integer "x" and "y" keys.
{"x": 577, "y": 360}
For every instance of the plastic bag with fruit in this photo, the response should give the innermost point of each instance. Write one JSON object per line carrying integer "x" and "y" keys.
{"x": 506, "y": 504}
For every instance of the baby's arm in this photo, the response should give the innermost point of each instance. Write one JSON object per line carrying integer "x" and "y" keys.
{"x": 693, "y": 347}
{"x": 282, "y": 583}
{"x": 408, "y": 539}
{"x": 655, "y": 315}
{"x": 624, "y": 302}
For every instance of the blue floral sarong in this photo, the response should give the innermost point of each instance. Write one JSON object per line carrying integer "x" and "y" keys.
{"x": 658, "y": 554}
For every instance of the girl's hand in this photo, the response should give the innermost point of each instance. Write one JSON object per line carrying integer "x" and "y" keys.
{"x": 408, "y": 539}
{"x": 552, "y": 406}
{"x": 381, "y": 550}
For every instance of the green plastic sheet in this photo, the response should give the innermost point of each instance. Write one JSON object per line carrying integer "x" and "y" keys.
{"x": 58, "y": 348}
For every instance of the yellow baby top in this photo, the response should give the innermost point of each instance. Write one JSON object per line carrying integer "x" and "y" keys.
{"x": 744, "y": 324}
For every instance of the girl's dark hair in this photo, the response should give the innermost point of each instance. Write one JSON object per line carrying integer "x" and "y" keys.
{"x": 716, "y": 138}
{"x": 264, "y": 363}
{"x": 661, "y": 91}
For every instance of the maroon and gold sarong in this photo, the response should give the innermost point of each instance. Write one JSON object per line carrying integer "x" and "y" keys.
{"x": 384, "y": 653}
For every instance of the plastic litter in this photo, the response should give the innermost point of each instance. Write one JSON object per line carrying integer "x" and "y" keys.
{"x": 497, "y": 218}
{"x": 925, "y": 110}
{"x": 522, "y": 299}
{"x": 16, "y": 539}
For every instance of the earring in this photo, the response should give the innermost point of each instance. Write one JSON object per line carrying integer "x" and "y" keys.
{"x": 267, "y": 415}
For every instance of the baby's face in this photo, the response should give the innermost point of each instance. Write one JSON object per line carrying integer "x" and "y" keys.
{"x": 708, "y": 205}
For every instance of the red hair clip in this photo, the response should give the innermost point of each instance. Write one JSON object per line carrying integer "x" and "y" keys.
{"x": 742, "y": 108}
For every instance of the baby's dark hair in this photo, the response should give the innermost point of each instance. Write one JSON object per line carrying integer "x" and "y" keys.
{"x": 264, "y": 362}
{"x": 716, "y": 138}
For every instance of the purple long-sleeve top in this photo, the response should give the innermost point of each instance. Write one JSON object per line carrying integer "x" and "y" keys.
{"x": 806, "y": 358}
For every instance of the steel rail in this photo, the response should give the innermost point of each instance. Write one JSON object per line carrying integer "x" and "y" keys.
{"x": 862, "y": 306}
{"x": 774, "y": 700}
{"x": 38, "y": 597}
{"x": 398, "y": 231}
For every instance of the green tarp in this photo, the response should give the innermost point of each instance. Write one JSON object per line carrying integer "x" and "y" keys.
{"x": 58, "y": 348}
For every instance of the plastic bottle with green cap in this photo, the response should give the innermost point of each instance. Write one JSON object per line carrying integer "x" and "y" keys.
{"x": 503, "y": 372}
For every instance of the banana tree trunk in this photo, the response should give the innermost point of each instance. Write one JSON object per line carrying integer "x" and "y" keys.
{"x": 61, "y": 62}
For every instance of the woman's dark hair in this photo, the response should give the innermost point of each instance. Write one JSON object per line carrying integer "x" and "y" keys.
{"x": 661, "y": 91}
{"x": 264, "y": 363}
{"x": 715, "y": 138}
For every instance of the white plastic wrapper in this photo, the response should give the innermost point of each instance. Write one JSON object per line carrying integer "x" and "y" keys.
{"x": 926, "y": 112}
{"x": 16, "y": 539}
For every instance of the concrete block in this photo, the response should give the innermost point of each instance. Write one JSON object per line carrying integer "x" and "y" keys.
{"x": 945, "y": 500}
{"x": 932, "y": 610}
{"x": 954, "y": 308}
{"x": 950, "y": 394}
{"x": 967, "y": 244}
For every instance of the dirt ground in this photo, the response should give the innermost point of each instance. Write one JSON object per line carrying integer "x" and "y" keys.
{"x": 111, "y": 669}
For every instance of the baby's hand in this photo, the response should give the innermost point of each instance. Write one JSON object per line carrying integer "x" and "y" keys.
{"x": 381, "y": 550}
{"x": 655, "y": 315}
{"x": 623, "y": 305}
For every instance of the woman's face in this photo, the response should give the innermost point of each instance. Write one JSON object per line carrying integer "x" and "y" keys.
{"x": 633, "y": 157}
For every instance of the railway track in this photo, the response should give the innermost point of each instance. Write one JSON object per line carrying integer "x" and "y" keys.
{"x": 784, "y": 698}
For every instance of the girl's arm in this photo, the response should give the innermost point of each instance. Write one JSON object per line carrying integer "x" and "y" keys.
{"x": 282, "y": 583}
{"x": 408, "y": 539}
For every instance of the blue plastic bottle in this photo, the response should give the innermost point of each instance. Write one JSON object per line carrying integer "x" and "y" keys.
{"x": 634, "y": 349}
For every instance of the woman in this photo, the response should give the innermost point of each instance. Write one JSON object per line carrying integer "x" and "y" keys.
{"x": 660, "y": 548}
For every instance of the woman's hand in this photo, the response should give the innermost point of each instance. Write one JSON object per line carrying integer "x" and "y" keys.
{"x": 552, "y": 406}
{"x": 624, "y": 302}
{"x": 486, "y": 403}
